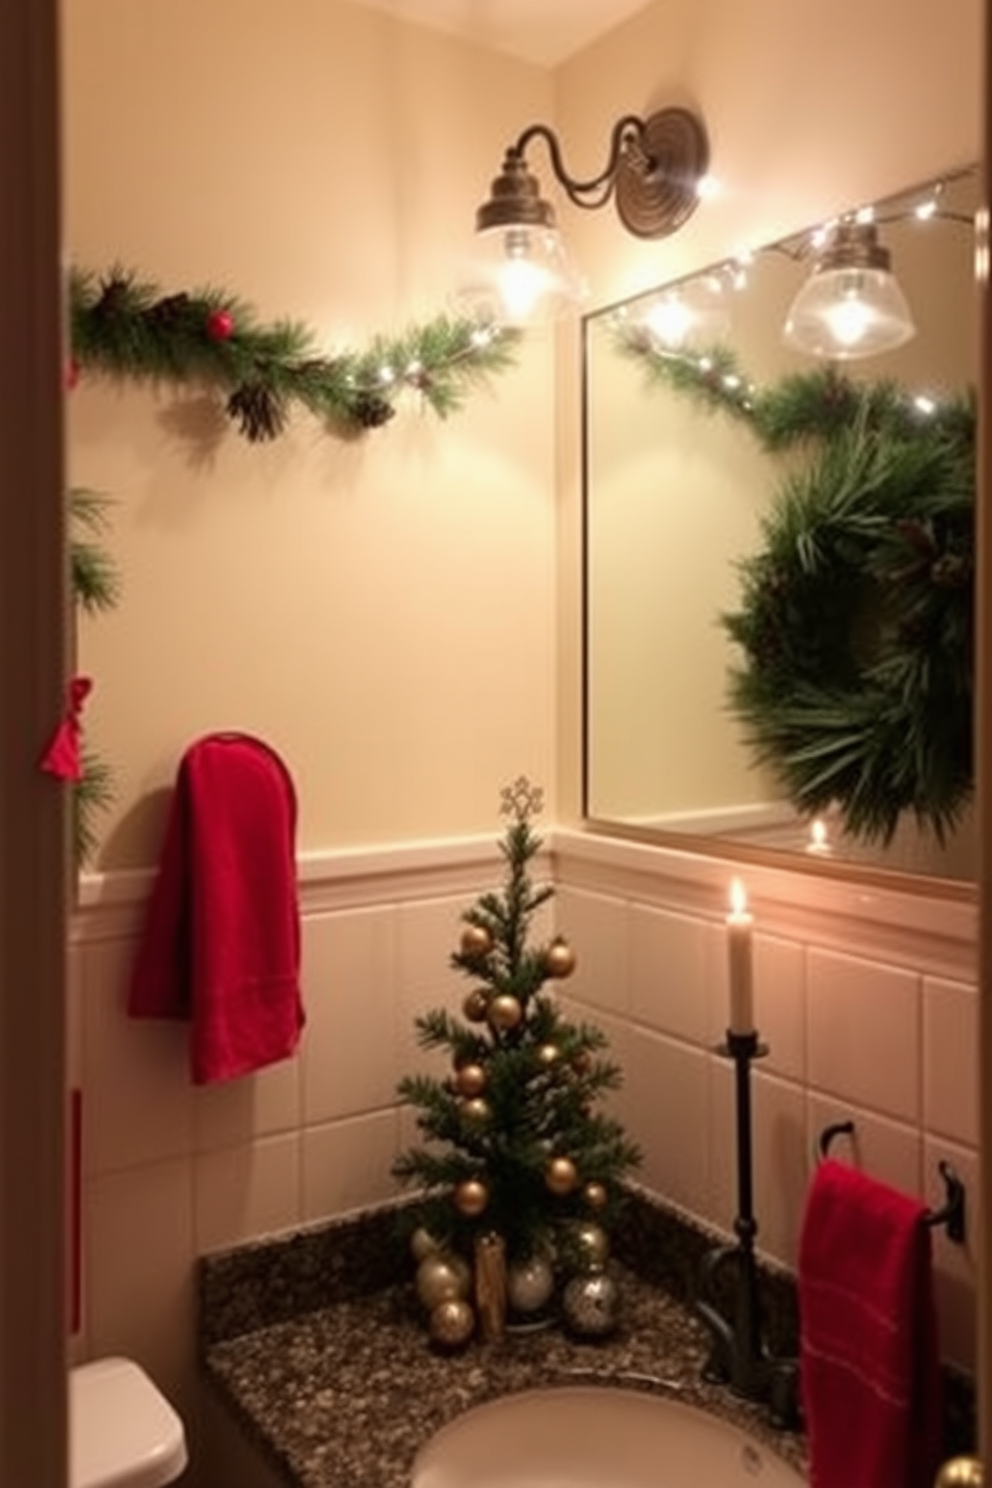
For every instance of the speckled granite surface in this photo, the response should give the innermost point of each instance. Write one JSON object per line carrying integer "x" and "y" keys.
{"x": 325, "y": 1359}
{"x": 344, "y": 1397}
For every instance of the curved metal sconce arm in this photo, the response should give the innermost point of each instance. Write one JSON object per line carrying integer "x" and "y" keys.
{"x": 653, "y": 170}
{"x": 630, "y": 127}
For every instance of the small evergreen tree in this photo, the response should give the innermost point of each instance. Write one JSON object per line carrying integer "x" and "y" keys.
{"x": 514, "y": 1146}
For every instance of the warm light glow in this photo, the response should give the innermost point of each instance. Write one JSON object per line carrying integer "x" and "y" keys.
{"x": 670, "y": 320}
{"x": 521, "y": 286}
{"x": 707, "y": 187}
{"x": 850, "y": 319}
{"x": 518, "y": 276}
{"x": 738, "y": 898}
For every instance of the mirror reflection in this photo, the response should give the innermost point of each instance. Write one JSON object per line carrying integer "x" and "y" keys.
{"x": 779, "y": 486}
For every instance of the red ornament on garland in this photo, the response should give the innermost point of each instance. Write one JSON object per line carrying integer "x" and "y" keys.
{"x": 220, "y": 325}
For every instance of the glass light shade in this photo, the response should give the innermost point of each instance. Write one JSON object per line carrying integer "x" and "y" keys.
{"x": 851, "y": 305}
{"x": 847, "y": 313}
{"x": 520, "y": 276}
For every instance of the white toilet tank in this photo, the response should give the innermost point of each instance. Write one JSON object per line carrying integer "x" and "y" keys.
{"x": 123, "y": 1433}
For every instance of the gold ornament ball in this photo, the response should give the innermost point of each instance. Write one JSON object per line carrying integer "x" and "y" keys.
{"x": 471, "y": 1197}
{"x": 423, "y": 1244}
{"x": 476, "y": 1110}
{"x": 559, "y": 960}
{"x": 470, "y": 1079}
{"x": 452, "y": 1323}
{"x": 561, "y": 1176}
{"x": 595, "y": 1195}
{"x": 441, "y": 1276}
{"x": 960, "y": 1472}
{"x": 476, "y": 1005}
{"x": 548, "y": 1054}
{"x": 505, "y": 1012}
{"x": 592, "y": 1245}
{"x": 476, "y": 941}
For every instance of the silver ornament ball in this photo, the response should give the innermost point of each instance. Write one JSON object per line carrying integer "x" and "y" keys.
{"x": 591, "y": 1304}
{"x": 529, "y": 1284}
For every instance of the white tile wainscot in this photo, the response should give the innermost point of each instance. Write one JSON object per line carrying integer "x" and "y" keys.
{"x": 171, "y": 1171}
{"x": 866, "y": 996}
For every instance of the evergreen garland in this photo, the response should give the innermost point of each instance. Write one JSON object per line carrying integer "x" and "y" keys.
{"x": 856, "y": 617}
{"x": 125, "y": 327}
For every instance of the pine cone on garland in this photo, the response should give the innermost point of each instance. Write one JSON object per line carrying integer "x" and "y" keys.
{"x": 370, "y": 411}
{"x": 167, "y": 314}
{"x": 113, "y": 297}
{"x": 257, "y": 410}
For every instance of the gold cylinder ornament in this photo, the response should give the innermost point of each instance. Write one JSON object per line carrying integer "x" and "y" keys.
{"x": 476, "y": 1005}
{"x": 490, "y": 1286}
{"x": 504, "y": 1012}
{"x": 441, "y": 1276}
{"x": 559, "y": 960}
{"x": 471, "y": 1197}
{"x": 476, "y": 941}
{"x": 452, "y": 1323}
{"x": 470, "y": 1080}
{"x": 561, "y": 1176}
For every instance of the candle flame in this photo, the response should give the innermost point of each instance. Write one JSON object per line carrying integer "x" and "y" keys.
{"x": 818, "y": 833}
{"x": 738, "y": 897}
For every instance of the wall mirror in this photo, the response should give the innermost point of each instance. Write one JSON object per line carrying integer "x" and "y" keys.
{"x": 679, "y": 493}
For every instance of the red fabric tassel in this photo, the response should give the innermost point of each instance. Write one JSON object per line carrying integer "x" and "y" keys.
{"x": 869, "y": 1366}
{"x": 62, "y": 757}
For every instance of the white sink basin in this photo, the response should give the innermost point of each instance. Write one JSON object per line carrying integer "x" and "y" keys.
{"x": 595, "y": 1437}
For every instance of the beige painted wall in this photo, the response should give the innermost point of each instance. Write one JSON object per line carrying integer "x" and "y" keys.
{"x": 380, "y": 610}
{"x": 808, "y": 107}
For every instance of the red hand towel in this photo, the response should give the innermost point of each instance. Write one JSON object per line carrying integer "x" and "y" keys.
{"x": 869, "y": 1362}
{"x": 221, "y": 944}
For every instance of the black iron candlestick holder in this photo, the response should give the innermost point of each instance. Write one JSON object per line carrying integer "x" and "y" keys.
{"x": 739, "y": 1357}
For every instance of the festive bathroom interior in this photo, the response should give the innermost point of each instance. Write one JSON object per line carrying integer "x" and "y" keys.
{"x": 399, "y": 613}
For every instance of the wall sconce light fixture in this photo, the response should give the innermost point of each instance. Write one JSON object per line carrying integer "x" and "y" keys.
{"x": 652, "y": 175}
{"x": 851, "y": 305}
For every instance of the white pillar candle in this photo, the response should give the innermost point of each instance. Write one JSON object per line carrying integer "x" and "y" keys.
{"x": 818, "y": 845}
{"x": 739, "y": 925}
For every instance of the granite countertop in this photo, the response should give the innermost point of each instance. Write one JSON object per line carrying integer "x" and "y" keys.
{"x": 343, "y": 1395}
{"x": 316, "y": 1342}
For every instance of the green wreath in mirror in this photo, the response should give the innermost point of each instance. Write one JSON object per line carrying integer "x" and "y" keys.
{"x": 856, "y": 625}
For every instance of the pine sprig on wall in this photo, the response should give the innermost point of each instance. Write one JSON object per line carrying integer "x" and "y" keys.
{"x": 95, "y": 584}
{"x": 125, "y": 327}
